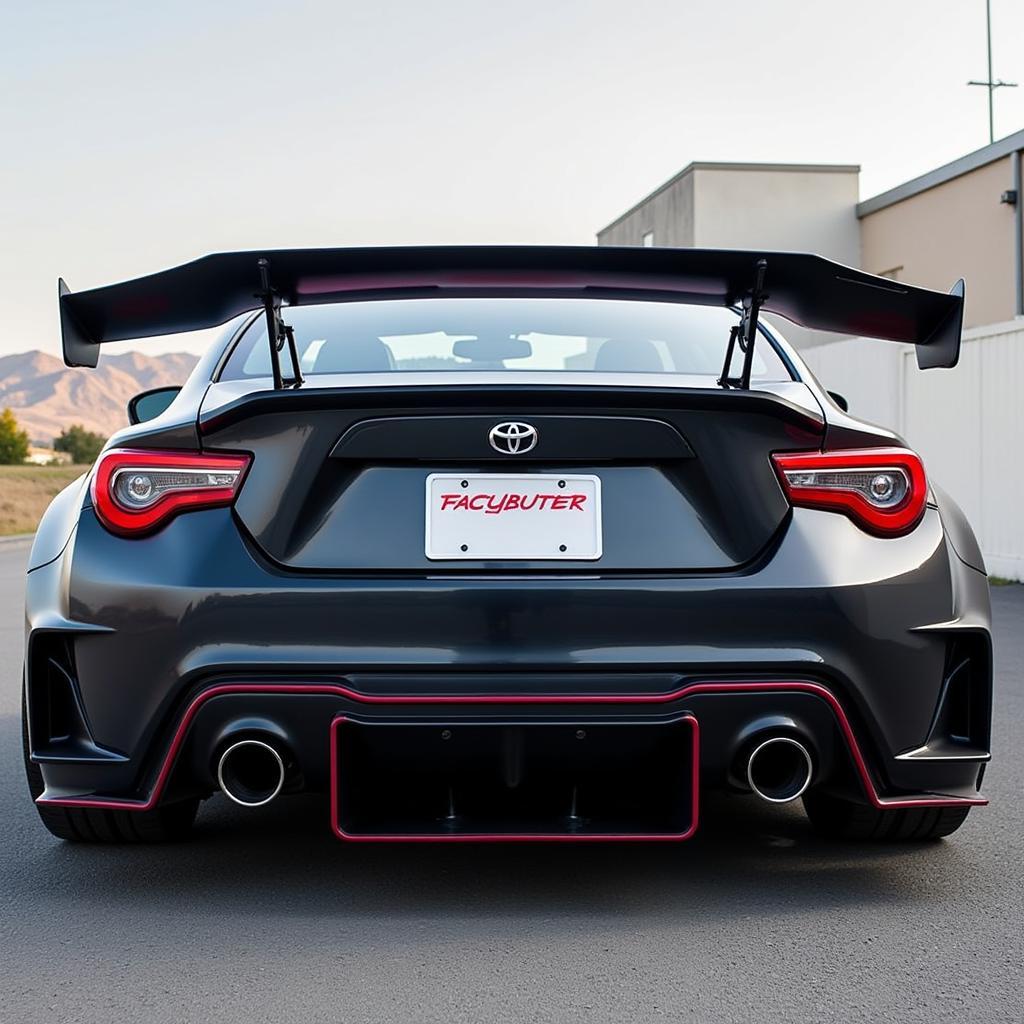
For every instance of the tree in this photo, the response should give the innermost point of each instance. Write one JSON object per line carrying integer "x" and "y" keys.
{"x": 82, "y": 445}
{"x": 13, "y": 440}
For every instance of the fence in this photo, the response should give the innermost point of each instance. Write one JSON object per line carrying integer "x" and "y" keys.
{"x": 968, "y": 423}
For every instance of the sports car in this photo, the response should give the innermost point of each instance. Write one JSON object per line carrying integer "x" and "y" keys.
{"x": 506, "y": 544}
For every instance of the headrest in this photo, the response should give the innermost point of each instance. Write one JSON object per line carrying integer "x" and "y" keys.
{"x": 353, "y": 355}
{"x": 618, "y": 356}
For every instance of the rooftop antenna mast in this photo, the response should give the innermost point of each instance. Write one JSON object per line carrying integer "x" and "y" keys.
{"x": 991, "y": 84}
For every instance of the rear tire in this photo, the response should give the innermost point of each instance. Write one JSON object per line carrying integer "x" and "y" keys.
{"x": 94, "y": 825}
{"x": 843, "y": 819}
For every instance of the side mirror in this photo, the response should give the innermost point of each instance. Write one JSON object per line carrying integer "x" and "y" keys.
{"x": 149, "y": 404}
{"x": 840, "y": 400}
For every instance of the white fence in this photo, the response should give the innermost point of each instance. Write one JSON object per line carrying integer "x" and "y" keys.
{"x": 968, "y": 423}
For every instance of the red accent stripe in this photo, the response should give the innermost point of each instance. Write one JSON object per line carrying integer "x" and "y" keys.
{"x": 520, "y": 837}
{"x": 881, "y": 802}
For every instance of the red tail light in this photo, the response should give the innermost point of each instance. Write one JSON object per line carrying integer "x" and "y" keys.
{"x": 883, "y": 490}
{"x": 135, "y": 492}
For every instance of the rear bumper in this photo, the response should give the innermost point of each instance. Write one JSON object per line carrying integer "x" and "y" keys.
{"x": 732, "y": 712}
{"x": 171, "y": 640}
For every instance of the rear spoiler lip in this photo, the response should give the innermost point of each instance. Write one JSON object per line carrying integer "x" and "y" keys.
{"x": 805, "y": 289}
{"x": 253, "y": 398}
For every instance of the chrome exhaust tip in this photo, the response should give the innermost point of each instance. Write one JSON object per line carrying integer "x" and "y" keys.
{"x": 779, "y": 769}
{"x": 250, "y": 772}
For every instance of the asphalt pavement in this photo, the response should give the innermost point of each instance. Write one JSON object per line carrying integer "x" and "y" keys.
{"x": 263, "y": 916}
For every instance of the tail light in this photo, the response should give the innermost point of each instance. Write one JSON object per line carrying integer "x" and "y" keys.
{"x": 883, "y": 490}
{"x": 135, "y": 492}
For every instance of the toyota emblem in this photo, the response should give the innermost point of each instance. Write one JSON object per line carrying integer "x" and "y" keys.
{"x": 513, "y": 438}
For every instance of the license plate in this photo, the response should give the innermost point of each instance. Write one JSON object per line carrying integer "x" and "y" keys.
{"x": 501, "y": 516}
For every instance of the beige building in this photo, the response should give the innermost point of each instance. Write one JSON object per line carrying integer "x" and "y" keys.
{"x": 960, "y": 220}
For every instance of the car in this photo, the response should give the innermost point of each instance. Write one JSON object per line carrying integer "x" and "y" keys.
{"x": 506, "y": 544}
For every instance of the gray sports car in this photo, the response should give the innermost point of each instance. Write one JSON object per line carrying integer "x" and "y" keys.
{"x": 506, "y": 544}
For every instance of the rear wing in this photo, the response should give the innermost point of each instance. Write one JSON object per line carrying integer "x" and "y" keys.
{"x": 808, "y": 290}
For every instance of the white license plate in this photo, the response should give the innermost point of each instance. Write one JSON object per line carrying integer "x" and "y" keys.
{"x": 502, "y": 516}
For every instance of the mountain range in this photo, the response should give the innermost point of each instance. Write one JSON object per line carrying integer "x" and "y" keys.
{"x": 46, "y": 396}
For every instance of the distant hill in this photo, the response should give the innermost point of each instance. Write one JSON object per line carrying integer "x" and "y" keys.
{"x": 46, "y": 396}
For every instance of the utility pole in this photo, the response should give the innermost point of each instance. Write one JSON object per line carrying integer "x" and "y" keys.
{"x": 990, "y": 83}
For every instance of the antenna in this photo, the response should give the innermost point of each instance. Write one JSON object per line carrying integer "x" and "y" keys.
{"x": 991, "y": 84}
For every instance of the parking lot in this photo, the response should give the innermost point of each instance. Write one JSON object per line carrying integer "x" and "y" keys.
{"x": 264, "y": 917}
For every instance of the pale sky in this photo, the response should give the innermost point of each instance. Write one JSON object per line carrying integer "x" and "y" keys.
{"x": 140, "y": 135}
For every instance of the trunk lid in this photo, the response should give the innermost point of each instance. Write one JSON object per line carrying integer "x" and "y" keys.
{"x": 339, "y": 477}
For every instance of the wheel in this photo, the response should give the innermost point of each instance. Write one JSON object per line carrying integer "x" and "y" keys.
{"x": 843, "y": 819}
{"x": 93, "y": 825}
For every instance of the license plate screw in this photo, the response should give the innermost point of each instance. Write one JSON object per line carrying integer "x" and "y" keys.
{"x": 562, "y": 547}
{"x": 581, "y": 734}
{"x": 561, "y": 483}
{"x": 463, "y": 547}
{"x": 446, "y": 734}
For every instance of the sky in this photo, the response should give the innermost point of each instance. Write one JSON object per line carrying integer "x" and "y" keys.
{"x": 136, "y": 136}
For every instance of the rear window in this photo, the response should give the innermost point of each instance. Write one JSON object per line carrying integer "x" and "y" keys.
{"x": 458, "y": 335}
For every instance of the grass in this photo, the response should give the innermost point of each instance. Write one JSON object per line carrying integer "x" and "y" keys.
{"x": 25, "y": 491}
{"x": 1001, "y": 581}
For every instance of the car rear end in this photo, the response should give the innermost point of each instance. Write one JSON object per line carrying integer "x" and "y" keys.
{"x": 522, "y": 595}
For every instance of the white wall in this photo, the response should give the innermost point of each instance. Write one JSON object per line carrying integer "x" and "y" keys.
{"x": 967, "y": 423}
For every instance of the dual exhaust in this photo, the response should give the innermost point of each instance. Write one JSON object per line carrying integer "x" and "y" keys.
{"x": 251, "y": 772}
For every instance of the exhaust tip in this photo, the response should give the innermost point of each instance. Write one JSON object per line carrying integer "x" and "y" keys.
{"x": 251, "y": 773}
{"x": 779, "y": 769}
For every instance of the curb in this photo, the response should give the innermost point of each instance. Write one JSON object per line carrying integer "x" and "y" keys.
{"x": 16, "y": 538}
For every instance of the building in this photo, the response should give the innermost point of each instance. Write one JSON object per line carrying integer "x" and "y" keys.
{"x": 748, "y": 206}
{"x": 47, "y": 457}
{"x": 965, "y": 219}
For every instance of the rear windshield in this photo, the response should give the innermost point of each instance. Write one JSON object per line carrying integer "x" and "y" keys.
{"x": 456, "y": 335}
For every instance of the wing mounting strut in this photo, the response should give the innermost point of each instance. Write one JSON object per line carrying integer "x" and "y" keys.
{"x": 278, "y": 332}
{"x": 745, "y": 332}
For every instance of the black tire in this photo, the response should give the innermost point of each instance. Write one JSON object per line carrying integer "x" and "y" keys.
{"x": 93, "y": 825}
{"x": 843, "y": 819}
